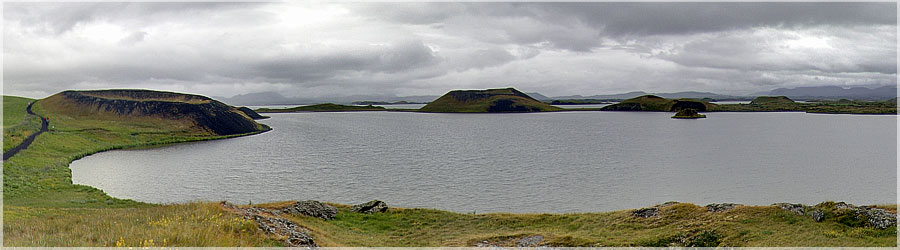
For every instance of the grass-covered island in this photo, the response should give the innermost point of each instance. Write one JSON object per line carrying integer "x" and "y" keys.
{"x": 43, "y": 208}
{"x": 759, "y": 104}
{"x": 486, "y": 101}
{"x": 324, "y": 107}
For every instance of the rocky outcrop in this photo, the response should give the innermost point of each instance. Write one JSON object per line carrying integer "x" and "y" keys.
{"x": 512, "y": 241}
{"x": 796, "y": 208}
{"x": 293, "y": 235}
{"x": 646, "y": 212}
{"x": 529, "y": 241}
{"x": 877, "y": 217}
{"x": 817, "y": 215}
{"x": 312, "y": 209}
{"x": 864, "y": 215}
{"x": 374, "y": 206}
{"x": 720, "y": 207}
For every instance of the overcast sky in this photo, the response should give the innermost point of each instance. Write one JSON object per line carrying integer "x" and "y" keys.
{"x": 314, "y": 50}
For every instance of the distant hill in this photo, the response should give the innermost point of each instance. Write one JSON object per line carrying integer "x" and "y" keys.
{"x": 252, "y": 114}
{"x": 836, "y": 92}
{"x": 274, "y": 98}
{"x": 175, "y": 110}
{"x": 656, "y": 103}
{"x": 539, "y": 96}
{"x": 324, "y": 107}
{"x": 487, "y": 101}
{"x": 260, "y": 98}
{"x": 772, "y": 99}
{"x": 629, "y": 95}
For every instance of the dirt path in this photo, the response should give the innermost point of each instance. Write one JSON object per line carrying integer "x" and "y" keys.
{"x": 30, "y": 139}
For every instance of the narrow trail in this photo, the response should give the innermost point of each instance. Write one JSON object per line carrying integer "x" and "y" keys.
{"x": 30, "y": 139}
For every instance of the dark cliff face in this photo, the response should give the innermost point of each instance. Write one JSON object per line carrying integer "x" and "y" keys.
{"x": 252, "y": 114}
{"x": 477, "y": 95}
{"x": 688, "y": 104}
{"x": 206, "y": 113}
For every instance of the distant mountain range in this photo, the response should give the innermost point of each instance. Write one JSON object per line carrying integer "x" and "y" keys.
{"x": 274, "y": 98}
{"x": 799, "y": 93}
{"x": 629, "y": 95}
{"x": 835, "y": 92}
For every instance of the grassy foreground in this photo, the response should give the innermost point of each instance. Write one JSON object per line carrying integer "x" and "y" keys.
{"x": 742, "y": 226}
{"x": 43, "y": 208}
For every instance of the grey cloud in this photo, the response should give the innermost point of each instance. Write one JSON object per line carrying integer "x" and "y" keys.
{"x": 135, "y": 37}
{"x": 579, "y": 26}
{"x": 58, "y": 18}
{"x": 430, "y": 48}
{"x": 651, "y": 18}
{"x": 389, "y": 58}
{"x": 847, "y": 50}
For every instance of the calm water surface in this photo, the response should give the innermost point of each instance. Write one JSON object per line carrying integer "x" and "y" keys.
{"x": 539, "y": 162}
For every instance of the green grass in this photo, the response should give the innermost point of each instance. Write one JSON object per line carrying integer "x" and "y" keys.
{"x": 192, "y": 224}
{"x": 14, "y": 110}
{"x": 831, "y": 107}
{"x": 43, "y": 208}
{"x": 17, "y": 124}
{"x": 482, "y": 101}
{"x": 688, "y": 224}
{"x": 325, "y": 107}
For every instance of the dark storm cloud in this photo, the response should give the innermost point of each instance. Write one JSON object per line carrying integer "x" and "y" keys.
{"x": 395, "y": 58}
{"x": 315, "y": 49}
{"x": 580, "y": 26}
{"x": 650, "y": 18}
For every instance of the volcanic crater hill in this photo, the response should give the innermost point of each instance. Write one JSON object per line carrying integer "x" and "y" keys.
{"x": 772, "y": 99}
{"x": 506, "y": 100}
{"x": 175, "y": 110}
{"x": 656, "y": 103}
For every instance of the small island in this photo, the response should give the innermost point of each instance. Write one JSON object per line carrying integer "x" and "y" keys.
{"x": 324, "y": 107}
{"x": 688, "y": 113}
{"x": 656, "y": 103}
{"x": 508, "y": 100}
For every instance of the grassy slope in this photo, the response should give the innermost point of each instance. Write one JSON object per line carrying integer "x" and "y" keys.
{"x": 652, "y": 102}
{"x": 43, "y": 208}
{"x": 17, "y": 124}
{"x": 742, "y": 226}
{"x": 447, "y": 103}
{"x": 325, "y": 107}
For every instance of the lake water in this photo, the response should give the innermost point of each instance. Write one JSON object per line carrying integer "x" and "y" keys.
{"x": 537, "y": 162}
